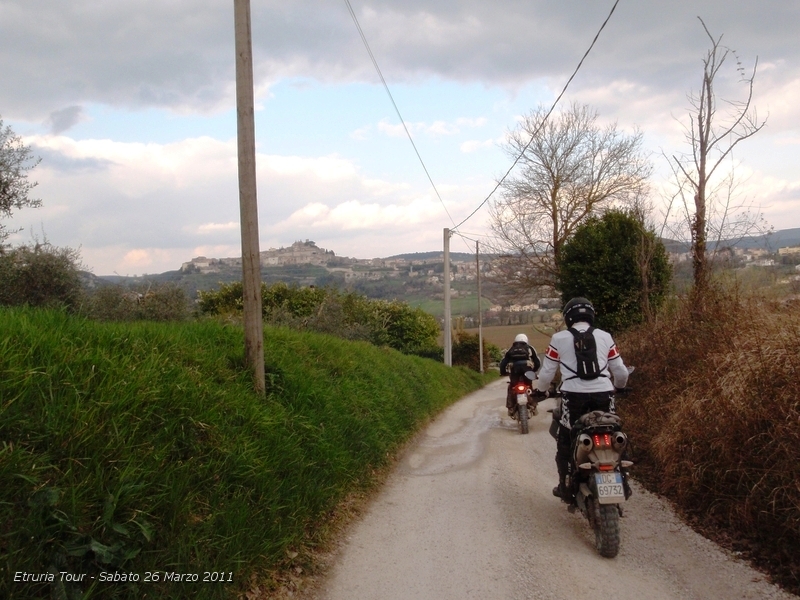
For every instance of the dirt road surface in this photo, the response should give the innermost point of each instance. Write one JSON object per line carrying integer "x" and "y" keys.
{"x": 469, "y": 513}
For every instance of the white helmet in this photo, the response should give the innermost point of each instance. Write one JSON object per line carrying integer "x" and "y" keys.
{"x": 521, "y": 338}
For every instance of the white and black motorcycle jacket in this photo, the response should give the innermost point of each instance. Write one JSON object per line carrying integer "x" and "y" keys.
{"x": 561, "y": 353}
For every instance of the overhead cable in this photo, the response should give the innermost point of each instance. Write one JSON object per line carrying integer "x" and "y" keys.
{"x": 397, "y": 110}
{"x": 535, "y": 133}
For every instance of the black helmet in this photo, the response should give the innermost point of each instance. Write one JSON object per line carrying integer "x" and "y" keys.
{"x": 578, "y": 309}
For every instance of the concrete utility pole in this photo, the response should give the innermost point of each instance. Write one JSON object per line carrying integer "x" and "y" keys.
{"x": 448, "y": 341}
{"x": 248, "y": 204}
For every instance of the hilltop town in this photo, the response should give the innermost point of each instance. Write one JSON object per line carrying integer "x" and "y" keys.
{"x": 418, "y": 277}
{"x": 350, "y": 269}
{"x": 307, "y": 253}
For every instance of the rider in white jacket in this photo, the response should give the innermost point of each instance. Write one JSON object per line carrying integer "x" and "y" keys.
{"x": 579, "y": 395}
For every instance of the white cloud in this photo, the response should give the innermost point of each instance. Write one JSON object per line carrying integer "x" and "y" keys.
{"x": 132, "y": 203}
{"x": 355, "y": 215}
{"x": 215, "y": 227}
{"x": 150, "y": 207}
{"x": 434, "y": 129}
{"x": 475, "y": 145}
{"x": 219, "y": 251}
{"x": 326, "y": 168}
{"x": 361, "y": 134}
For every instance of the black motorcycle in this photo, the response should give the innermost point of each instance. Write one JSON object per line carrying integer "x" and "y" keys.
{"x": 596, "y": 478}
{"x": 524, "y": 407}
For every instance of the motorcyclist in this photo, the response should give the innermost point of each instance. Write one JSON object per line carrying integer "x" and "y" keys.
{"x": 519, "y": 358}
{"x": 579, "y": 396}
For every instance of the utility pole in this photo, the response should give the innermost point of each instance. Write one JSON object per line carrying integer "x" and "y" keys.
{"x": 448, "y": 342}
{"x": 480, "y": 311}
{"x": 248, "y": 203}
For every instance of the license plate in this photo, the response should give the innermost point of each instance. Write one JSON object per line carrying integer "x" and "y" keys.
{"x": 522, "y": 399}
{"x": 609, "y": 487}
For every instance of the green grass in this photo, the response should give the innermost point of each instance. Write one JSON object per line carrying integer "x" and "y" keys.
{"x": 141, "y": 448}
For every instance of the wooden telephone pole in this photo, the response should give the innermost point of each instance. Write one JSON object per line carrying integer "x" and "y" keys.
{"x": 448, "y": 332}
{"x": 248, "y": 203}
{"x": 480, "y": 308}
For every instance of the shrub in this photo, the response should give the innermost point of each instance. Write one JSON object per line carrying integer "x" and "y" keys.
{"x": 165, "y": 302}
{"x": 40, "y": 274}
{"x": 465, "y": 351}
{"x": 715, "y": 420}
{"x": 345, "y": 314}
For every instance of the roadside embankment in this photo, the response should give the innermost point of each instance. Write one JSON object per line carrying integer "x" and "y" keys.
{"x": 135, "y": 456}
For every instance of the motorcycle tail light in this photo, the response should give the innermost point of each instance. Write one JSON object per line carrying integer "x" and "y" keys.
{"x": 602, "y": 440}
{"x": 520, "y": 389}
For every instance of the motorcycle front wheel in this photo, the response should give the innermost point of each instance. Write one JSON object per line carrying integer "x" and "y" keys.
{"x": 522, "y": 415}
{"x": 605, "y": 523}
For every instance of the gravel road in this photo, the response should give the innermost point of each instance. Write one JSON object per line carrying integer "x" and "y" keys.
{"x": 469, "y": 513}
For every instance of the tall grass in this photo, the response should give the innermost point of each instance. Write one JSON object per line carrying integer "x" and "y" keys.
{"x": 140, "y": 447}
{"x": 716, "y": 421}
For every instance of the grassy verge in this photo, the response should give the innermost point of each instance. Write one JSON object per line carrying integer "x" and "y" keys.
{"x": 136, "y": 449}
{"x": 715, "y": 422}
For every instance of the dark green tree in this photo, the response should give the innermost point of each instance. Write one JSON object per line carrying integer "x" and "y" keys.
{"x": 619, "y": 265}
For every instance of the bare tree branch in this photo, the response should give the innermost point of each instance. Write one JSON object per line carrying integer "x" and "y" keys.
{"x": 572, "y": 169}
{"x": 711, "y": 137}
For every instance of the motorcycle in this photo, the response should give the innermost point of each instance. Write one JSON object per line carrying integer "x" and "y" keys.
{"x": 596, "y": 478}
{"x": 524, "y": 407}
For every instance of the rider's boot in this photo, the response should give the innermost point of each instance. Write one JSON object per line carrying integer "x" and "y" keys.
{"x": 511, "y": 403}
{"x": 626, "y": 487}
{"x": 562, "y": 490}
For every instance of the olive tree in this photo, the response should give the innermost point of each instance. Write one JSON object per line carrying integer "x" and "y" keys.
{"x": 571, "y": 168}
{"x": 16, "y": 160}
{"x": 40, "y": 274}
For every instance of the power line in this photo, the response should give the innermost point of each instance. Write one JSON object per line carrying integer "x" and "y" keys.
{"x": 397, "y": 110}
{"x": 535, "y": 133}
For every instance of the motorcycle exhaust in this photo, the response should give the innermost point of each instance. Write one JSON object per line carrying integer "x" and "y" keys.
{"x": 583, "y": 448}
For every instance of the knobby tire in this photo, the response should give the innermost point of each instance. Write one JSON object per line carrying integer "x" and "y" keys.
{"x": 522, "y": 410}
{"x": 606, "y": 528}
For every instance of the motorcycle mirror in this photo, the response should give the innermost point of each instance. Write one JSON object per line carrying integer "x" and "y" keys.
{"x": 530, "y": 375}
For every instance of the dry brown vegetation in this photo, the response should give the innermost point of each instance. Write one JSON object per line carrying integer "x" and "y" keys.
{"x": 715, "y": 422}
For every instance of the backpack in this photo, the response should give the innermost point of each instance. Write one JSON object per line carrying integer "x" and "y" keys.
{"x": 518, "y": 358}
{"x": 586, "y": 354}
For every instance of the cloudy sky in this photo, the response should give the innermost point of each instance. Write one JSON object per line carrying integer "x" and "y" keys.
{"x": 131, "y": 107}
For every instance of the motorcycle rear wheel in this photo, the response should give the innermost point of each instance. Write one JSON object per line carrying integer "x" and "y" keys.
{"x": 605, "y": 523}
{"x": 522, "y": 415}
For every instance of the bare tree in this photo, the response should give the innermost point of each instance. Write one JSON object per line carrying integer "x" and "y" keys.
{"x": 705, "y": 188}
{"x": 571, "y": 169}
{"x": 15, "y": 162}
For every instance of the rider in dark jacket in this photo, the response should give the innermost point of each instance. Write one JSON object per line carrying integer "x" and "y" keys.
{"x": 521, "y": 357}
